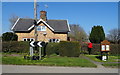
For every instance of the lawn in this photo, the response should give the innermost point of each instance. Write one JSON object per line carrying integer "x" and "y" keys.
{"x": 110, "y": 58}
{"x": 113, "y": 59}
{"x": 49, "y": 61}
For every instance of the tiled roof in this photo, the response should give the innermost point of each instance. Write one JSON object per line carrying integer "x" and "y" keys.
{"x": 24, "y": 25}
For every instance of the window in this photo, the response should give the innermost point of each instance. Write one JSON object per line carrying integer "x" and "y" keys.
{"x": 24, "y": 39}
{"x": 54, "y": 40}
{"x": 28, "y": 39}
{"x": 41, "y": 28}
{"x": 32, "y": 39}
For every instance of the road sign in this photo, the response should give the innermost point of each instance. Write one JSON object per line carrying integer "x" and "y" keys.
{"x": 38, "y": 43}
{"x": 32, "y": 43}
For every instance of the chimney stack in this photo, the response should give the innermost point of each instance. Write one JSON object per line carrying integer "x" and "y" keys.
{"x": 43, "y": 15}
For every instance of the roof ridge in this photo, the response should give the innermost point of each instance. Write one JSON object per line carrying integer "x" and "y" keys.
{"x": 57, "y": 19}
{"x": 25, "y": 18}
{"x": 28, "y": 18}
{"x": 48, "y": 19}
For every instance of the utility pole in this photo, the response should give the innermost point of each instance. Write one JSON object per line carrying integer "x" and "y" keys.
{"x": 35, "y": 23}
{"x": 35, "y": 17}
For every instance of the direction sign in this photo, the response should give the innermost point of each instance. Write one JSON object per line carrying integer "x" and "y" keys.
{"x": 32, "y": 43}
{"x": 37, "y": 43}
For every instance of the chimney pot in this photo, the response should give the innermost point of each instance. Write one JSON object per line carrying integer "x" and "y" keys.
{"x": 43, "y": 15}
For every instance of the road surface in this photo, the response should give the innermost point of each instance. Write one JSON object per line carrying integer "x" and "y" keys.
{"x": 51, "y": 69}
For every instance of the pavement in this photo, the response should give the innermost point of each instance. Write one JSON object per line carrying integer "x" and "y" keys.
{"x": 53, "y": 69}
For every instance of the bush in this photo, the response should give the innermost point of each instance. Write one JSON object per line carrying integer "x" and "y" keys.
{"x": 9, "y": 36}
{"x": 52, "y": 48}
{"x": 15, "y": 46}
{"x": 70, "y": 49}
{"x": 114, "y": 49}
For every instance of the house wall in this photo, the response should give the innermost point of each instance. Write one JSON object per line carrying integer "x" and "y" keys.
{"x": 41, "y": 37}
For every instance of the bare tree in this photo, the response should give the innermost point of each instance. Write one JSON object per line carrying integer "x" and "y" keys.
{"x": 114, "y": 35}
{"x": 13, "y": 18}
{"x": 77, "y": 33}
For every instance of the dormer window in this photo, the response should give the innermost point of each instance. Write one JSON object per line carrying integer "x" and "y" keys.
{"x": 41, "y": 28}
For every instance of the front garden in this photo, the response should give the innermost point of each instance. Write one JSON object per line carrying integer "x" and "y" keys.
{"x": 58, "y": 54}
{"x": 52, "y": 60}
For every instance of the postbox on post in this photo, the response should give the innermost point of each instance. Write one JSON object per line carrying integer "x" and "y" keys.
{"x": 105, "y": 48}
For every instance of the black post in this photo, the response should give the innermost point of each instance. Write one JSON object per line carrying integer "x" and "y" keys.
{"x": 107, "y": 55}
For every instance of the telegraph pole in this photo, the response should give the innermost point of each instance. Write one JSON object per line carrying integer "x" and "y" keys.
{"x": 35, "y": 17}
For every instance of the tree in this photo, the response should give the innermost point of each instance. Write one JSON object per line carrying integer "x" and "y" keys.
{"x": 114, "y": 35}
{"x": 9, "y": 36}
{"x": 13, "y": 19}
{"x": 77, "y": 33}
{"x": 97, "y": 34}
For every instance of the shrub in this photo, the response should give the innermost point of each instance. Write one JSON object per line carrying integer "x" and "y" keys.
{"x": 70, "y": 49}
{"x": 15, "y": 46}
{"x": 9, "y": 36}
{"x": 114, "y": 49}
{"x": 52, "y": 48}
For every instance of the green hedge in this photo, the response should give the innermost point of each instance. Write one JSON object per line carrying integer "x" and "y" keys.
{"x": 70, "y": 49}
{"x": 64, "y": 48}
{"x": 15, "y": 46}
{"x": 52, "y": 48}
{"x": 114, "y": 49}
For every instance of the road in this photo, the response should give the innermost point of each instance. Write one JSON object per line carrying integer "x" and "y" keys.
{"x": 50, "y": 69}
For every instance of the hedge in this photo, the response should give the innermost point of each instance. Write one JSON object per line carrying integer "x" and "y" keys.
{"x": 52, "y": 48}
{"x": 15, "y": 46}
{"x": 70, "y": 49}
{"x": 64, "y": 48}
{"x": 114, "y": 49}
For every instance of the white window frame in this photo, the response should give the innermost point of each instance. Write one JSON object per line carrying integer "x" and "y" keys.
{"x": 56, "y": 40}
{"x": 31, "y": 39}
{"x": 42, "y": 28}
{"x": 24, "y": 39}
{"x": 28, "y": 38}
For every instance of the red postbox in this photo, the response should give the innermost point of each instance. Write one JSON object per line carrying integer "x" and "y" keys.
{"x": 90, "y": 47}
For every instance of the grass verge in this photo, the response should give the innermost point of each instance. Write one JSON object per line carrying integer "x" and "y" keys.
{"x": 48, "y": 61}
{"x": 113, "y": 65}
{"x": 110, "y": 58}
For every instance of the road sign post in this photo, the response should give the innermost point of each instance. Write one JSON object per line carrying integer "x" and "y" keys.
{"x": 31, "y": 51}
{"x": 39, "y": 53}
{"x": 36, "y": 44}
